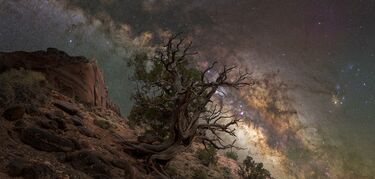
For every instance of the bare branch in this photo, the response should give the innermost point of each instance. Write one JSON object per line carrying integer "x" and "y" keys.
{"x": 207, "y": 69}
{"x": 186, "y": 104}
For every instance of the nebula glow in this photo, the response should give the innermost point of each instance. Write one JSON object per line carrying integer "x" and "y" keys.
{"x": 312, "y": 112}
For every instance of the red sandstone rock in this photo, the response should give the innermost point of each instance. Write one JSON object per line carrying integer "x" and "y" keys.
{"x": 75, "y": 77}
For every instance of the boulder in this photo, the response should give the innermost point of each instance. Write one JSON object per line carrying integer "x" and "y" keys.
{"x": 38, "y": 171}
{"x": 48, "y": 124}
{"x": 55, "y": 114}
{"x": 91, "y": 163}
{"x": 77, "y": 121}
{"x": 15, "y": 167}
{"x": 58, "y": 118}
{"x": 46, "y": 141}
{"x": 86, "y": 132}
{"x": 28, "y": 170}
{"x": 60, "y": 123}
{"x": 14, "y": 112}
{"x": 67, "y": 107}
{"x": 32, "y": 110}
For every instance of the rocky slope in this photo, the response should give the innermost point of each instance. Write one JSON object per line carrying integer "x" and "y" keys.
{"x": 69, "y": 128}
{"x": 62, "y": 139}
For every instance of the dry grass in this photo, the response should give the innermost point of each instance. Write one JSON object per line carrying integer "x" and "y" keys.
{"x": 22, "y": 86}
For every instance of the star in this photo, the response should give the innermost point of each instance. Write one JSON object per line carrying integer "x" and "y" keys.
{"x": 350, "y": 66}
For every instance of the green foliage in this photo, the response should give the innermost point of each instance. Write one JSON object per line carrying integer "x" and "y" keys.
{"x": 151, "y": 117}
{"x": 200, "y": 174}
{"x": 102, "y": 123}
{"x": 227, "y": 173}
{"x": 22, "y": 86}
{"x": 231, "y": 154}
{"x": 252, "y": 170}
{"x": 154, "y": 99}
{"x": 207, "y": 156}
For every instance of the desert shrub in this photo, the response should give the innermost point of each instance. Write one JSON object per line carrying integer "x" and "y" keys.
{"x": 172, "y": 171}
{"x": 102, "y": 123}
{"x": 231, "y": 154}
{"x": 252, "y": 170}
{"x": 227, "y": 173}
{"x": 207, "y": 156}
{"x": 200, "y": 174}
{"x": 22, "y": 86}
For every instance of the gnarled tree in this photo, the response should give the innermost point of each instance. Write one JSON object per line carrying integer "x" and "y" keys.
{"x": 176, "y": 101}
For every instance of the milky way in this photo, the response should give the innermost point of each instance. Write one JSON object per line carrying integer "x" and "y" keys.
{"x": 310, "y": 115}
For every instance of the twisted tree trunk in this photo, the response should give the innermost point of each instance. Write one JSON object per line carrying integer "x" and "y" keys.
{"x": 185, "y": 99}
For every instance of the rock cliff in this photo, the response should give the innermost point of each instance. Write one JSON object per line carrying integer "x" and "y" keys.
{"x": 76, "y": 77}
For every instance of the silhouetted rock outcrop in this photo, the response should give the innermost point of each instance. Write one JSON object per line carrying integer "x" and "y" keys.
{"x": 76, "y": 77}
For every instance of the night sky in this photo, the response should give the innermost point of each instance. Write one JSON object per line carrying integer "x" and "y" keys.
{"x": 312, "y": 114}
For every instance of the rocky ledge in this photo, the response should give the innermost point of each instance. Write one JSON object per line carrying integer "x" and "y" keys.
{"x": 76, "y": 77}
